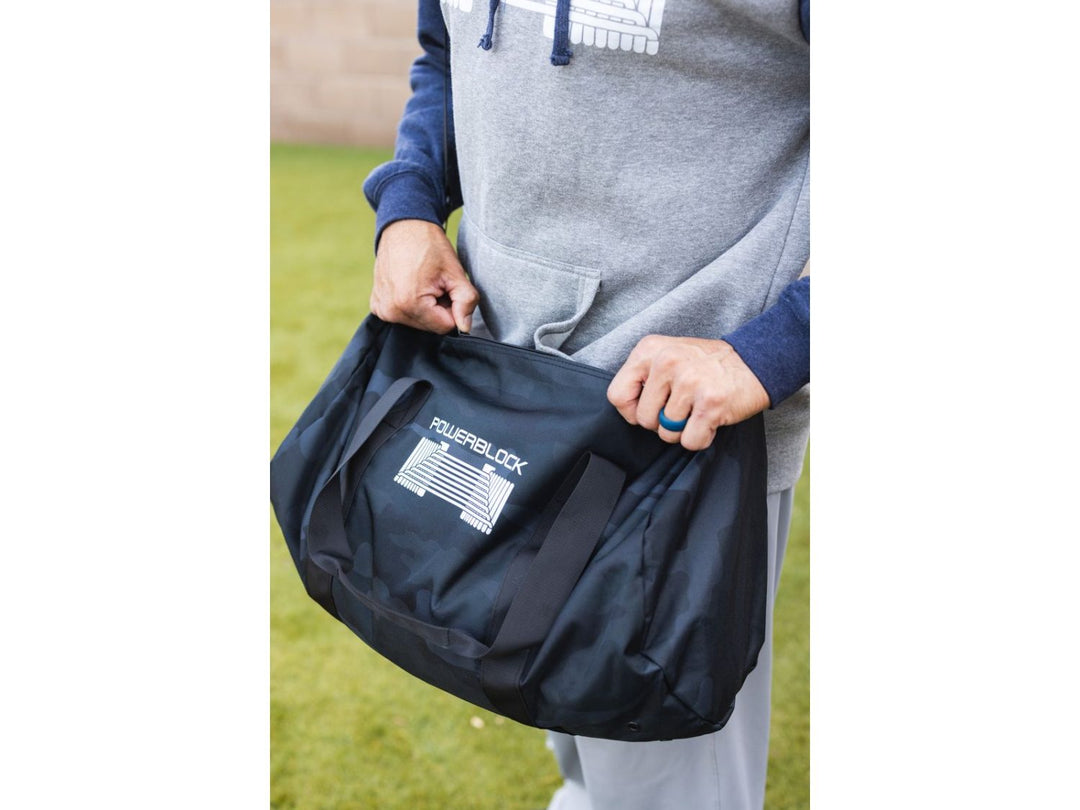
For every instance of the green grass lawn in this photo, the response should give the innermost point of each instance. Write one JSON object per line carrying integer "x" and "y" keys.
{"x": 348, "y": 729}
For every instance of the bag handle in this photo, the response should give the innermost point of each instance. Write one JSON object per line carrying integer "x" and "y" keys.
{"x": 581, "y": 508}
{"x": 326, "y": 527}
{"x": 329, "y": 556}
{"x": 584, "y": 503}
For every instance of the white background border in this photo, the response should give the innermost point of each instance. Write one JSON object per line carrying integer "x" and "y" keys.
{"x": 134, "y": 324}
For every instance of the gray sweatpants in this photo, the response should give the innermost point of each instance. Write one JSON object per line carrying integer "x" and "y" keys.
{"x": 721, "y": 771}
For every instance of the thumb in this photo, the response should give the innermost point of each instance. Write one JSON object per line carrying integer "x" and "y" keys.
{"x": 463, "y": 300}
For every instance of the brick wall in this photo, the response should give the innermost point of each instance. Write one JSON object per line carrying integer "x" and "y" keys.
{"x": 339, "y": 69}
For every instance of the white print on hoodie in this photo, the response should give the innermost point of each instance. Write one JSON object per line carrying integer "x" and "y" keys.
{"x": 628, "y": 25}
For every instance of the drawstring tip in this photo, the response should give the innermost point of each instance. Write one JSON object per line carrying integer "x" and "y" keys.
{"x": 485, "y": 40}
{"x": 560, "y": 58}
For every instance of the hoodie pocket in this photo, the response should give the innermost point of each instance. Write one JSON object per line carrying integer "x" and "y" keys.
{"x": 526, "y": 300}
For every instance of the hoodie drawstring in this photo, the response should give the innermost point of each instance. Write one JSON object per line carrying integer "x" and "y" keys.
{"x": 485, "y": 40}
{"x": 560, "y": 49}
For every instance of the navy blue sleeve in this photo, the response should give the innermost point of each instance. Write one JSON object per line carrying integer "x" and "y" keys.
{"x": 421, "y": 182}
{"x": 776, "y": 344}
{"x": 804, "y": 18}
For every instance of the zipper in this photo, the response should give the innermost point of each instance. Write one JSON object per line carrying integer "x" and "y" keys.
{"x": 532, "y": 354}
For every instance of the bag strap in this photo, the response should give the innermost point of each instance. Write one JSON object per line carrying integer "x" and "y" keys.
{"x": 328, "y": 546}
{"x": 584, "y": 503}
{"x": 326, "y": 549}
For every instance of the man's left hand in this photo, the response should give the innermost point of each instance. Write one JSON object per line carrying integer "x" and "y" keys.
{"x": 704, "y": 380}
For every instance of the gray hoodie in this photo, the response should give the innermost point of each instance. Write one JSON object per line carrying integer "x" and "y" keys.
{"x": 657, "y": 184}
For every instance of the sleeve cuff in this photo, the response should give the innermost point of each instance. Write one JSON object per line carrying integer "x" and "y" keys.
{"x": 776, "y": 344}
{"x": 406, "y": 196}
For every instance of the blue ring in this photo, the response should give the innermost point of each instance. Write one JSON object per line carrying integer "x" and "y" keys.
{"x": 671, "y": 424}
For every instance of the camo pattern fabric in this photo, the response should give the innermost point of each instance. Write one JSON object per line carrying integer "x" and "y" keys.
{"x": 666, "y": 620}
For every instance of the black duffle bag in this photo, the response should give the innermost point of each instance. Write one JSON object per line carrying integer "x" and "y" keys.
{"x": 480, "y": 515}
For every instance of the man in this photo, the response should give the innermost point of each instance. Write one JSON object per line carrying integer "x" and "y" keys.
{"x": 638, "y": 200}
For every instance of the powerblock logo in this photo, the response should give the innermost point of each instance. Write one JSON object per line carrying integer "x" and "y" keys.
{"x": 459, "y": 435}
{"x": 478, "y": 492}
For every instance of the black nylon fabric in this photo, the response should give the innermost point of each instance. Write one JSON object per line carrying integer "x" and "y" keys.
{"x": 446, "y": 507}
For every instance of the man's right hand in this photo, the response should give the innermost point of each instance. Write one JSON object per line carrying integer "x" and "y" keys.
{"x": 419, "y": 280}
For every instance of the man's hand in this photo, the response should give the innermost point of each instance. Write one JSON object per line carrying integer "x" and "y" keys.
{"x": 419, "y": 280}
{"x": 703, "y": 379}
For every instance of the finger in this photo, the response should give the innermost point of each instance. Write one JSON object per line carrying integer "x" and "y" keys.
{"x": 656, "y": 392}
{"x": 677, "y": 407}
{"x": 430, "y": 315}
{"x": 463, "y": 300}
{"x": 699, "y": 432}
{"x": 385, "y": 311}
{"x": 625, "y": 388}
